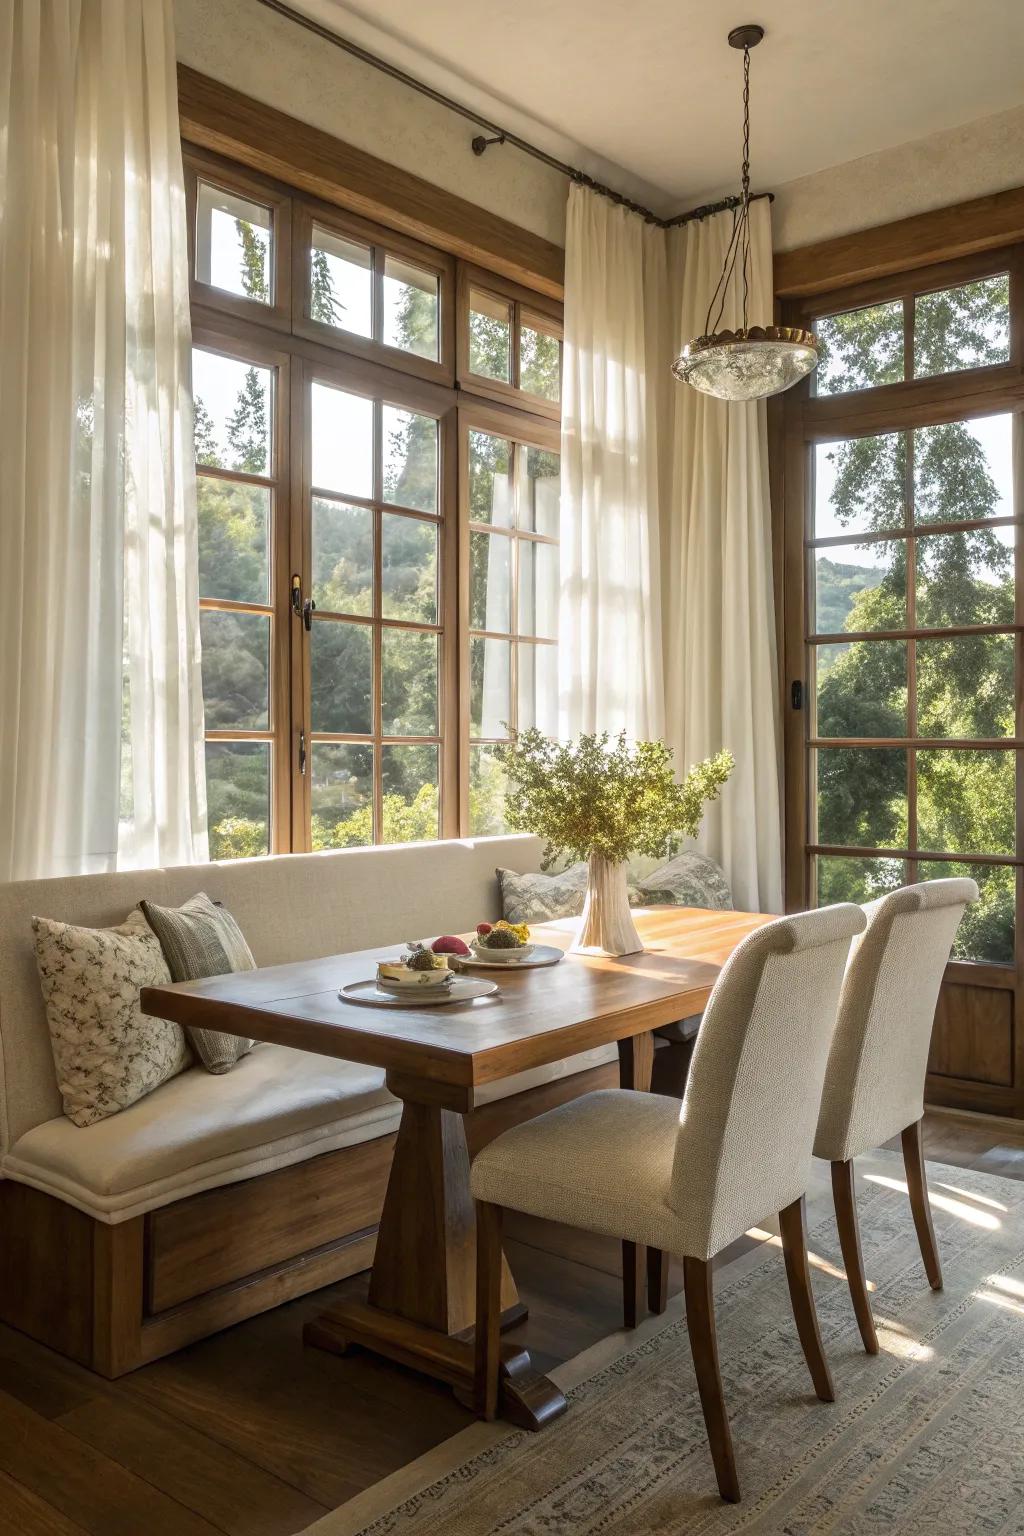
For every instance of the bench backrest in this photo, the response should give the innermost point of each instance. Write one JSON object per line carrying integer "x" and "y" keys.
{"x": 292, "y": 907}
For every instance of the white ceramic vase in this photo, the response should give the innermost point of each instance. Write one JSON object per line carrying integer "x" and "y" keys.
{"x": 607, "y": 927}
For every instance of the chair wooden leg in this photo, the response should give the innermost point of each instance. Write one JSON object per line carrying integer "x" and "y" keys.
{"x": 917, "y": 1183}
{"x": 632, "y": 1282}
{"x": 798, "y": 1273}
{"x": 843, "y": 1193}
{"x": 657, "y": 1280}
{"x": 488, "y": 1307}
{"x": 700, "y": 1324}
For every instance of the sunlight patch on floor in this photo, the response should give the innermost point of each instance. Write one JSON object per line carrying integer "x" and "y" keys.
{"x": 894, "y": 1340}
{"x": 996, "y": 1300}
{"x": 958, "y": 1208}
{"x": 816, "y": 1259}
{"x": 969, "y": 1194}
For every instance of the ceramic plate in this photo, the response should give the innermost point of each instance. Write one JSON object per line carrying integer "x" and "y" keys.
{"x": 462, "y": 990}
{"x": 542, "y": 954}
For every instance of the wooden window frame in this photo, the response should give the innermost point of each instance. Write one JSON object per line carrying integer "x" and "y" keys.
{"x": 521, "y": 301}
{"x": 522, "y": 431}
{"x": 806, "y": 419}
{"x": 264, "y": 354}
{"x": 382, "y": 243}
{"x": 199, "y": 166}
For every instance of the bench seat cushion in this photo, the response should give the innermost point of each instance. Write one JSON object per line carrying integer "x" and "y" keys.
{"x": 277, "y": 1107}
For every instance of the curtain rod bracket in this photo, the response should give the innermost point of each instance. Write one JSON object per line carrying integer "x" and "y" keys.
{"x": 480, "y": 144}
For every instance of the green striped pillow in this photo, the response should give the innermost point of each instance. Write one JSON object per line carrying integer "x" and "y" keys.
{"x": 201, "y": 939}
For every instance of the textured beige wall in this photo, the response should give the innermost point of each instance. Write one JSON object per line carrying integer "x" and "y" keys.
{"x": 270, "y": 58}
{"x": 950, "y": 167}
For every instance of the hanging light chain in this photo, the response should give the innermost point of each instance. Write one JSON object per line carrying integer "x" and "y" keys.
{"x": 740, "y": 239}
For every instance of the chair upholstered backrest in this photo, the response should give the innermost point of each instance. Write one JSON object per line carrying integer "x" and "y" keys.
{"x": 874, "y": 1084}
{"x": 747, "y": 1122}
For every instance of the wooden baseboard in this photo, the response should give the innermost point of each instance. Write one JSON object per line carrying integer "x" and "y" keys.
{"x": 114, "y": 1297}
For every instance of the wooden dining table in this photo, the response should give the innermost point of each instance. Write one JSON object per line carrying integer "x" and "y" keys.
{"x": 419, "y": 1307}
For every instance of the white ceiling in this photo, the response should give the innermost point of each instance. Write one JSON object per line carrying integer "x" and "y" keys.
{"x": 650, "y": 90}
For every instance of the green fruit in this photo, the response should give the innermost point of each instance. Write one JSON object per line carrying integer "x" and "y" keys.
{"x": 500, "y": 938}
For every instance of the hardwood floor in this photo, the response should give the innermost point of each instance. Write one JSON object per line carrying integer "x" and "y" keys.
{"x": 251, "y": 1434}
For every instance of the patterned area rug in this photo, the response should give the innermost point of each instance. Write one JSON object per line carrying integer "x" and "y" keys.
{"x": 926, "y": 1437}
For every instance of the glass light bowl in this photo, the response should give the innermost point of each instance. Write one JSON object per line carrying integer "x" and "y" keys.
{"x": 748, "y": 364}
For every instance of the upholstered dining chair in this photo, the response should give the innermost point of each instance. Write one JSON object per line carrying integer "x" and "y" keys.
{"x": 691, "y": 1176}
{"x": 874, "y": 1082}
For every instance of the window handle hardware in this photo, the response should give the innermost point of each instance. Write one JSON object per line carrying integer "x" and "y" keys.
{"x": 302, "y": 751}
{"x": 297, "y": 596}
{"x": 796, "y": 694}
{"x": 308, "y": 609}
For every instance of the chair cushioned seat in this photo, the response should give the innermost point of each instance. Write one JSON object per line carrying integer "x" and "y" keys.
{"x": 602, "y": 1162}
{"x": 277, "y": 1107}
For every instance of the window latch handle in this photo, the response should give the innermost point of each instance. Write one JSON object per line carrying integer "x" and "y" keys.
{"x": 297, "y": 596}
{"x": 302, "y": 751}
{"x": 308, "y": 609}
{"x": 796, "y": 695}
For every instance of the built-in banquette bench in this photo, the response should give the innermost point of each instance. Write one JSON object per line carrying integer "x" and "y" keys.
{"x": 216, "y": 1197}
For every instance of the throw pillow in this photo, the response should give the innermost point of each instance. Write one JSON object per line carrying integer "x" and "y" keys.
{"x": 107, "y": 1052}
{"x": 201, "y": 939}
{"x": 542, "y": 898}
{"x": 688, "y": 880}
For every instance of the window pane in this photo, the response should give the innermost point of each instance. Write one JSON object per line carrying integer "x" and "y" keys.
{"x": 341, "y": 795}
{"x": 490, "y": 688}
{"x": 986, "y": 929}
{"x": 862, "y": 348}
{"x": 538, "y": 490}
{"x": 862, "y": 796}
{"x": 233, "y": 244}
{"x": 410, "y": 459}
{"x": 965, "y": 801}
{"x": 411, "y": 795}
{"x": 409, "y": 569}
{"x": 342, "y": 441}
{"x": 538, "y": 688}
{"x": 342, "y": 669}
{"x": 409, "y": 683}
{"x": 236, "y": 670}
{"x": 490, "y": 582}
{"x": 234, "y": 540}
{"x": 410, "y": 307}
{"x": 342, "y": 557}
{"x": 238, "y": 796}
{"x": 858, "y": 880}
{"x": 538, "y": 589}
{"x": 860, "y": 587}
{"x": 965, "y": 578}
{"x": 862, "y": 688}
{"x": 540, "y": 357}
{"x": 490, "y": 336}
{"x": 490, "y": 483}
{"x": 963, "y": 470}
{"x": 486, "y": 793}
{"x": 340, "y": 282}
{"x": 965, "y": 327}
{"x": 234, "y": 406}
{"x": 965, "y": 686}
{"x": 859, "y": 485}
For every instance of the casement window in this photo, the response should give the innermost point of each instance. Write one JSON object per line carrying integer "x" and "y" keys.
{"x": 903, "y": 602}
{"x": 378, "y": 529}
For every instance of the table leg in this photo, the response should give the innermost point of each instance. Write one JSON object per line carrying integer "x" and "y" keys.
{"x": 420, "y": 1309}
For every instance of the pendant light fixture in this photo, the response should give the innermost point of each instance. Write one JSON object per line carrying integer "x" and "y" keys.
{"x": 753, "y": 361}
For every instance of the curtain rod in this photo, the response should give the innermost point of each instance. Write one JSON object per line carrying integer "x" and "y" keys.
{"x": 501, "y": 135}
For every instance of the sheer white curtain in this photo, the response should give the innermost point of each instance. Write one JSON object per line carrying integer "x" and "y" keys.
{"x": 610, "y": 669}
{"x": 667, "y": 614}
{"x": 721, "y": 679}
{"x": 101, "y": 728}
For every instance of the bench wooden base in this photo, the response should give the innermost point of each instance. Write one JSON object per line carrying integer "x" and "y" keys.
{"x": 116, "y": 1297}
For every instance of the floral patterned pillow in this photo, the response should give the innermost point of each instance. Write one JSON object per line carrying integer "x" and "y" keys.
{"x": 107, "y": 1052}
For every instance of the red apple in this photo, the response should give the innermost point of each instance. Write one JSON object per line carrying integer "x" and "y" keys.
{"x": 483, "y": 928}
{"x": 450, "y": 944}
